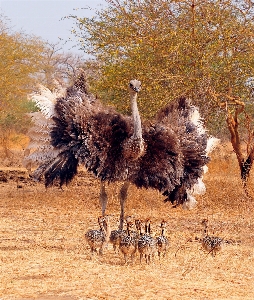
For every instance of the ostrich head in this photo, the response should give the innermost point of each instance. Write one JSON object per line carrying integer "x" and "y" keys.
{"x": 204, "y": 222}
{"x": 134, "y": 86}
{"x": 164, "y": 224}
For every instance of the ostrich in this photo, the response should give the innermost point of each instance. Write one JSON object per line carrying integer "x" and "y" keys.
{"x": 211, "y": 244}
{"x": 162, "y": 241}
{"x": 146, "y": 243}
{"x": 128, "y": 243}
{"x": 168, "y": 155}
{"x": 116, "y": 235}
{"x": 99, "y": 238}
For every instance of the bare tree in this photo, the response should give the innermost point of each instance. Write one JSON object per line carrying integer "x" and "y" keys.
{"x": 59, "y": 66}
{"x": 236, "y": 115}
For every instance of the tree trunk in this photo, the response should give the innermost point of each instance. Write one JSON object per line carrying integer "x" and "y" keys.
{"x": 244, "y": 164}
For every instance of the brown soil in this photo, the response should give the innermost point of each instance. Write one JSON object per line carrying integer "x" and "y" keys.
{"x": 43, "y": 254}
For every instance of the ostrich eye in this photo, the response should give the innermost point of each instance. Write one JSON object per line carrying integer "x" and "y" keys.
{"x": 131, "y": 85}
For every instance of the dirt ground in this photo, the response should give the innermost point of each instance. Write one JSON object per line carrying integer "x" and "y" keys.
{"x": 43, "y": 254}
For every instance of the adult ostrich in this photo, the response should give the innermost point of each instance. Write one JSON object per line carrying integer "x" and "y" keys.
{"x": 168, "y": 155}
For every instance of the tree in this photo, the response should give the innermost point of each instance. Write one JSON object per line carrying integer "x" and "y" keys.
{"x": 58, "y": 66}
{"x": 20, "y": 56}
{"x": 26, "y": 61}
{"x": 202, "y": 49}
{"x": 175, "y": 47}
{"x": 20, "y": 59}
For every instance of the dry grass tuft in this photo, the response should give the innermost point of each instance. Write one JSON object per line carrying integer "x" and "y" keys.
{"x": 44, "y": 255}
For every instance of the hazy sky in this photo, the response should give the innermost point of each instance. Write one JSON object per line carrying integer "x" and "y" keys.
{"x": 43, "y": 17}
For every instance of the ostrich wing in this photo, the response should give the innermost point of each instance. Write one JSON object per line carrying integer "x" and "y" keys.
{"x": 39, "y": 148}
{"x": 185, "y": 120}
{"x": 161, "y": 166}
{"x": 85, "y": 133}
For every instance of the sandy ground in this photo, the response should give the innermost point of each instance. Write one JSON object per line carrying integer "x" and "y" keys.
{"x": 43, "y": 254}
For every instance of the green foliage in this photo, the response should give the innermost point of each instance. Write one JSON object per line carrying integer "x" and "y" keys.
{"x": 192, "y": 48}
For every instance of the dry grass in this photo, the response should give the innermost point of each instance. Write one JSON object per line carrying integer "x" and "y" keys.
{"x": 43, "y": 254}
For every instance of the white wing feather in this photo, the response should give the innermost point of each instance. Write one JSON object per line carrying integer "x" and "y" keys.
{"x": 39, "y": 148}
{"x": 45, "y": 100}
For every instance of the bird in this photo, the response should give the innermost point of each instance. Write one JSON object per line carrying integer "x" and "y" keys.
{"x": 139, "y": 225}
{"x": 146, "y": 243}
{"x": 99, "y": 238}
{"x": 168, "y": 154}
{"x": 211, "y": 244}
{"x": 116, "y": 235}
{"x": 128, "y": 243}
{"x": 162, "y": 241}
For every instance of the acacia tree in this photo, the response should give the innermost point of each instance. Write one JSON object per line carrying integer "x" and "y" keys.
{"x": 196, "y": 48}
{"x": 186, "y": 47}
{"x": 26, "y": 61}
{"x": 20, "y": 58}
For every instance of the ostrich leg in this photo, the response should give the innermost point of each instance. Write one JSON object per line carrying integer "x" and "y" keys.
{"x": 103, "y": 198}
{"x": 122, "y": 197}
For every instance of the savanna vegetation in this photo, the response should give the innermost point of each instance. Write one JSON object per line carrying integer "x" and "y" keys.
{"x": 200, "y": 49}
{"x": 25, "y": 62}
{"x": 193, "y": 48}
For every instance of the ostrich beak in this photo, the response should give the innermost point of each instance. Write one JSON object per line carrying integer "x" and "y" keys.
{"x": 136, "y": 89}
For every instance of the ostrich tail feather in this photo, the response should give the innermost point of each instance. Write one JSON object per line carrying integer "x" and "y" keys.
{"x": 79, "y": 86}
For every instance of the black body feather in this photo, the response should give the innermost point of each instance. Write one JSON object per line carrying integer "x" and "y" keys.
{"x": 87, "y": 133}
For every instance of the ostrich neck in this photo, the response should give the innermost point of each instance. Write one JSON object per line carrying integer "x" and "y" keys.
{"x": 136, "y": 117}
{"x": 128, "y": 230}
{"x": 205, "y": 232}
